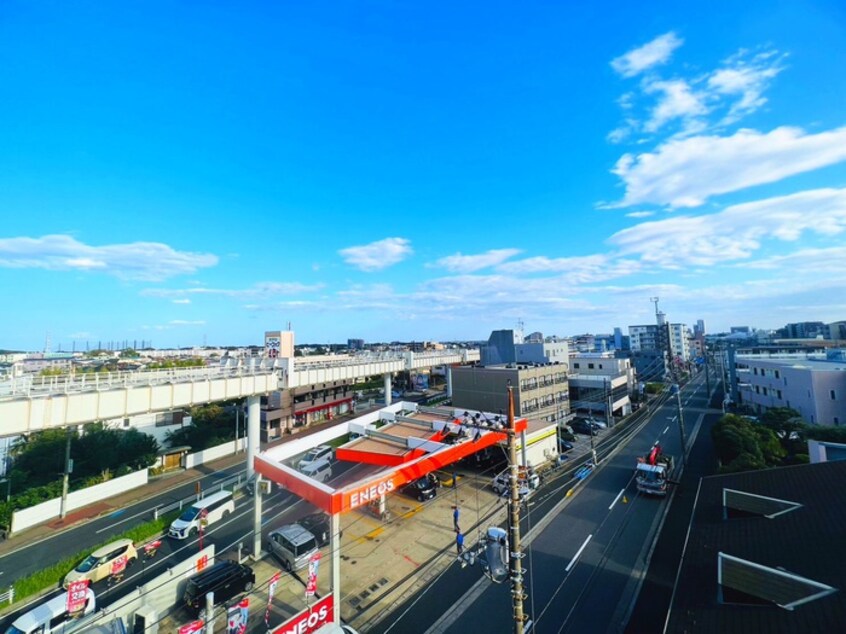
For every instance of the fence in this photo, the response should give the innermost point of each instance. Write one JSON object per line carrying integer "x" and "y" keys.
{"x": 28, "y": 517}
{"x": 213, "y": 453}
{"x": 8, "y": 596}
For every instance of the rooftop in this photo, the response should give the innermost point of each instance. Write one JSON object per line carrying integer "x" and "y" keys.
{"x": 765, "y": 553}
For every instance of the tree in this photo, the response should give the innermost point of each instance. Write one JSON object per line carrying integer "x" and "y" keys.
{"x": 211, "y": 425}
{"x": 733, "y": 435}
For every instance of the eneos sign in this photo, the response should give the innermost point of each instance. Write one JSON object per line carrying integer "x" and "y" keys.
{"x": 368, "y": 493}
{"x": 310, "y": 620}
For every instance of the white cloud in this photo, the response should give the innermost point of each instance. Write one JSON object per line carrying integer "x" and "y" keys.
{"x": 148, "y": 261}
{"x": 654, "y": 53}
{"x": 676, "y": 101}
{"x": 735, "y": 233}
{"x": 640, "y": 214}
{"x": 377, "y": 255}
{"x": 184, "y": 322}
{"x": 809, "y": 261}
{"x": 260, "y": 289}
{"x": 746, "y": 79}
{"x": 686, "y": 172}
{"x": 459, "y": 263}
{"x": 578, "y": 269}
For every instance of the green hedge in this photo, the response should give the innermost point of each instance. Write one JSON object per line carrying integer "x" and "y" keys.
{"x": 52, "y": 576}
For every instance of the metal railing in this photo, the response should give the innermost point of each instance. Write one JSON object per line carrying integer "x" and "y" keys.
{"x": 8, "y": 596}
{"x": 27, "y": 386}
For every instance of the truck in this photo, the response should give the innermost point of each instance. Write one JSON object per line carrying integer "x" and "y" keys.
{"x": 653, "y": 471}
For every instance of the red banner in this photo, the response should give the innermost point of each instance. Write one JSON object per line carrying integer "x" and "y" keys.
{"x": 238, "y": 615}
{"x": 311, "y": 584}
{"x": 193, "y": 626}
{"x": 77, "y": 593}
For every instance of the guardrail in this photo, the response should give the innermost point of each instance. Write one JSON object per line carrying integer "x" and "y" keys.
{"x": 236, "y": 480}
{"x": 8, "y": 596}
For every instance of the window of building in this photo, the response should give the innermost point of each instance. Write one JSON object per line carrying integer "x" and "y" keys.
{"x": 778, "y": 393}
{"x": 777, "y": 374}
{"x": 833, "y": 396}
{"x": 576, "y": 366}
{"x": 757, "y": 389}
{"x": 764, "y": 391}
{"x": 590, "y": 366}
{"x": 836, "y": 420}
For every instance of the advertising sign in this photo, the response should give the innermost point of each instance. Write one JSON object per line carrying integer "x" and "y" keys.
{"x": 238, "y": 615}
{"x": 77, "y": 592}
{"x": 193, "y": 626}
{"x": 311, "y": 584}
{"x": 118, "y": 565}
{"x": 271, "y": 590}
{"x": 309, "y": 620}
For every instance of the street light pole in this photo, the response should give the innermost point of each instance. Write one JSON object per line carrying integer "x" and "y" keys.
{"x": 681, "y": 422}
{"x": 516, "y": 554}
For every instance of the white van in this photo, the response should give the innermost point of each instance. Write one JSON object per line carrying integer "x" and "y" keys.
{"x": 320, "y": 470}
{"x": 51, "y": 617}
{"x": 216, "y": 506}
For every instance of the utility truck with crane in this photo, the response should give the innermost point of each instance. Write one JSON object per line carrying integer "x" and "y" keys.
{"x": 653, "y": 471}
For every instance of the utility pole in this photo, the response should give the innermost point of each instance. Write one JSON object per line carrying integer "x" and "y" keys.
{"x": 677, "y": 390}
{"x": 707, "y": 377}
{"x": 67, "y": 471}
{"x": 515, "y": 553}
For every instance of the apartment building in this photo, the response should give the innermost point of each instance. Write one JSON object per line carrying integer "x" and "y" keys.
{"x": 813, "y": 386}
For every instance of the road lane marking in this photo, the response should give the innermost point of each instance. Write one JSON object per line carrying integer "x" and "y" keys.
{"x": 665, "y": 430}
{"x": 619, "y": 495}
{"x": 578, "y": 553}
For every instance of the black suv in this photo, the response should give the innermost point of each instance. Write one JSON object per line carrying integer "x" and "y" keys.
{"x": 318, "y": 524}
{"x": 225, "y": 578}
{"x": 582, "y": 426}
{"x": 423, "y": 488}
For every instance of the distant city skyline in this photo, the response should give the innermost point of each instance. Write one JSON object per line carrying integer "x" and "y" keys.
{"x": 417, "y": 172}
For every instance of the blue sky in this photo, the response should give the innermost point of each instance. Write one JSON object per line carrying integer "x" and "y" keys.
{"x": 190, "y": 172}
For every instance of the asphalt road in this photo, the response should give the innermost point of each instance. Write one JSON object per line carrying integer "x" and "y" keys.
{"x": 278, "y": 508}
{"x": 592, "y": 593}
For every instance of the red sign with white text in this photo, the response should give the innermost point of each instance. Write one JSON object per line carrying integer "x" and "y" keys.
{"x": 193, "y": 626}
{"x": 77, "y": 592}
{"x": 309, "y": 620}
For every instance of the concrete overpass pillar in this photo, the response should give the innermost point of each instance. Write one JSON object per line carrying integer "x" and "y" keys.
{"x": 387, "y": 384}
{"x": 449, "y": 380}
{"x": 253, "y": 432}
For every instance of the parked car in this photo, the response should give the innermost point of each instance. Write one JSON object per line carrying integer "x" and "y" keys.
{"x": 565, "y": 445}
{"x": 585, "y": 427}
{"x": 423, "y": 489}
{"x": 320, "y": 470}
{"x": 293, "y": 545}
{"x": 52, "y": 616}
{"x": 319, "y": 525}
{"x": 321, "y": 452}
{"x": 528, "y": 480}
{"x": 225, "y": 578}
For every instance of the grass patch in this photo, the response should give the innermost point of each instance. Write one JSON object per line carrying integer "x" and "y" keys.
{"x": 52, "y": 576}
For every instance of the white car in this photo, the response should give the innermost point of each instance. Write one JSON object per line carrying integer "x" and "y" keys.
{"x": 321, "y": 452}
